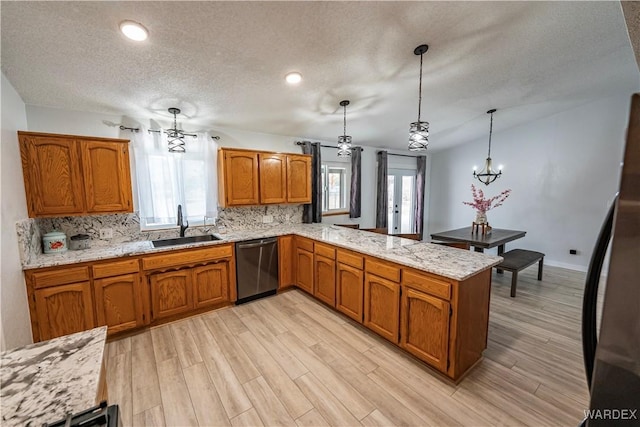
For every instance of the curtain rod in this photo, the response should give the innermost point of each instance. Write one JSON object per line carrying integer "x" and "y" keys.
{"x": 401, "y": 155}
{"x": 327, "y": 146}
{"x": 158, "y": 131}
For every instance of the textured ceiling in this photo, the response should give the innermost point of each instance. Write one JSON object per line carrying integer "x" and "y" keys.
{"x": 223, "y": 63}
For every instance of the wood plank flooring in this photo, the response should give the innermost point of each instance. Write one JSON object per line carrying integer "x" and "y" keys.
{"x": 289, "y": 360}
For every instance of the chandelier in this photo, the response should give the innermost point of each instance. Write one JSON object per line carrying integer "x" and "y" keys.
{"x": 487, "y": 175}
{"x": 419, "y": 131}
{"x": 175, "y": 136}
{"x": 344, "y": 141}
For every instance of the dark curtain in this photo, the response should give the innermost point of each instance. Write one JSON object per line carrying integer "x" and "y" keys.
{"x": 313, "y": 212}
{"x": 355, "y": 204}
{"x": 420, "y": 184}
{"x": 383, "y": 199}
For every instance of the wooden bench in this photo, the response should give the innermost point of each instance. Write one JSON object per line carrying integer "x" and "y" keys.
{"x": 516, "y": 260}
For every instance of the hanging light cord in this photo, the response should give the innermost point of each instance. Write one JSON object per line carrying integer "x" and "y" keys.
{"x": 420, "y": 89}
{"x": 344, "y": 129}
{"x": 490, "y": 133}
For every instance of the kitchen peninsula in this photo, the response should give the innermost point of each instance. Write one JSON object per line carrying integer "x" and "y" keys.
{"x": 43, "y": 382}
{"x": 430, "y": 300}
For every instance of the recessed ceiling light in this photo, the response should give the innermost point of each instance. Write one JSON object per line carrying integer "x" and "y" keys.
{"x": 293, "y": 78}
{"x": 134, "y": 30}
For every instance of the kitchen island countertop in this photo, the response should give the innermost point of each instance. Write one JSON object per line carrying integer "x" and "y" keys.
{"x": 43, "y": 382}
{"x": 445, "y": 261}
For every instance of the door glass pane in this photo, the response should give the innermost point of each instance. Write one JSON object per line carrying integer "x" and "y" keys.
{"x": 408, "y": 200}
{"x": 324, "y": 188}
{"x": 391, "y": 188}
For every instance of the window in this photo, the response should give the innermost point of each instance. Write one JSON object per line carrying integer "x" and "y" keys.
{"x": 165, "y": 180}
{"x": 336, "y": 186}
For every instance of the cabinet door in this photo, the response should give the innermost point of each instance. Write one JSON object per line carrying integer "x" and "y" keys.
{"x": 118, "y": 302}
{"x": 211, "y": 284}
{"x": 425, "y": 327}
{"x": 171, "y": 293}
{"x": 349, "y": 291}
{"x": 325, "y": 280}
{"x": 241, "y": 178}
{"x": 285, "y": 261}
{"x": 273, "y": 178}
{"x": 52, "y": 175}
{"x": 304, "y": 270}
{"x": 382, "y": 306}
{"x": 64, "y": 309}
{"x": 298, "y": 179}
{"x": 107, "y": 177}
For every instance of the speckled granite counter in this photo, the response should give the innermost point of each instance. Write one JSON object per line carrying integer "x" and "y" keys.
{"x": 441, "y": 260}
{"x": 43, "y": 382}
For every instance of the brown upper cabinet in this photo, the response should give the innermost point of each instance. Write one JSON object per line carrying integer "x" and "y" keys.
{"x": 75, "y": 175}
{"x": 298, "y": 179}
{"x": 249, "y": 177}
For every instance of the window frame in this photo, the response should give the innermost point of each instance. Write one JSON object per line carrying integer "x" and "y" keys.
{"x": 345, "y": 189}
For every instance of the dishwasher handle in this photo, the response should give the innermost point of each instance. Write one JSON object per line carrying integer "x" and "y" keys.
{"x": 259, "y": 244}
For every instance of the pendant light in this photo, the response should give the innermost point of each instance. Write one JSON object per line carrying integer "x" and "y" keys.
{"x": 175, "y": 136}
{"x": 487, "y": 174}
{"x": 344, "y": 141}
{"x": 419, "y": 131}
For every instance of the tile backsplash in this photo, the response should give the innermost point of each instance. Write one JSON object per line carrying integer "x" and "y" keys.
{"x": 126, "y": 227}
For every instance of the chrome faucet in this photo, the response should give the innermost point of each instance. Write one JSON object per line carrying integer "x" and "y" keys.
{"x": 180, "y": 222}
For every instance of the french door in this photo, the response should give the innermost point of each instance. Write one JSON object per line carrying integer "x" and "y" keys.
{"x": 401, "y": 190}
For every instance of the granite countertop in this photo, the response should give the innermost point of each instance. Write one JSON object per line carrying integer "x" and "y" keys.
{"x": 437, "y": 259}
{"x": 43, "y": 382}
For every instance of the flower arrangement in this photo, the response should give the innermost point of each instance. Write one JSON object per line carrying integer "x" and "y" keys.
{"x": 481, "y": 204}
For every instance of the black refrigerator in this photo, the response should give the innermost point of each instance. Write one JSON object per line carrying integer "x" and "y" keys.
{"x": 612, "y": 357}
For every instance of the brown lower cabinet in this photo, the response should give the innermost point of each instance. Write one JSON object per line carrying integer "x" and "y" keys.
{"x": 350, "y": 291}
{"x": 171, "y": 293}
{"x": 118, "y": 302}
{"x": 64, "y": 309}
{"x": 304, "y": 264}
{"x": 211, "y": 284}
{"x": 325, "y": 280}
{"x": 425, "y": 327}
{"x": 382, "y": 306}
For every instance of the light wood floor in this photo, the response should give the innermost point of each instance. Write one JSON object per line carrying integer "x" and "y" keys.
{"x": 289, "y": 360}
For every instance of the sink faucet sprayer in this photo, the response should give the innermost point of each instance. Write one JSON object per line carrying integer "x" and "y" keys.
{"x": 183, "y": 227}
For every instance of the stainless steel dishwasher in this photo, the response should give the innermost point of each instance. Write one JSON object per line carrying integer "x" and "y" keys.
{"x": 256, "y": 268}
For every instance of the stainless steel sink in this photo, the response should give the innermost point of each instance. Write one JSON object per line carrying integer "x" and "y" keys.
{"x": 183, "y": 240}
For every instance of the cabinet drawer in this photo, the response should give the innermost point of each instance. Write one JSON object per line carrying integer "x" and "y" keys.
{"x": 349, "y": 258}
{"x": 187, "y": 257}
{"x": 382, "y": 269}
{"x": 305, "y": 244}
{"x": 115, "y": 268}
{"x": 430, "y": 285}
{"x": 325, "y": 250}
{"x": 59, "y": 276}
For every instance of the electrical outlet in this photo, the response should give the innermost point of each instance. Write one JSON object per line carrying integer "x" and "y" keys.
{"x": 106, "y": 233}
{"x": 266, "y": 219}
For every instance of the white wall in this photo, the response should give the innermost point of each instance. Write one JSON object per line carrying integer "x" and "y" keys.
{"x": 15, "y": 326}
{"x": 53, "y": 120}
{"x": 564, "y": 171}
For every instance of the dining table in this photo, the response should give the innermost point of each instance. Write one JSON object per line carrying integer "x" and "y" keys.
{"x": 496, "y": 237}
